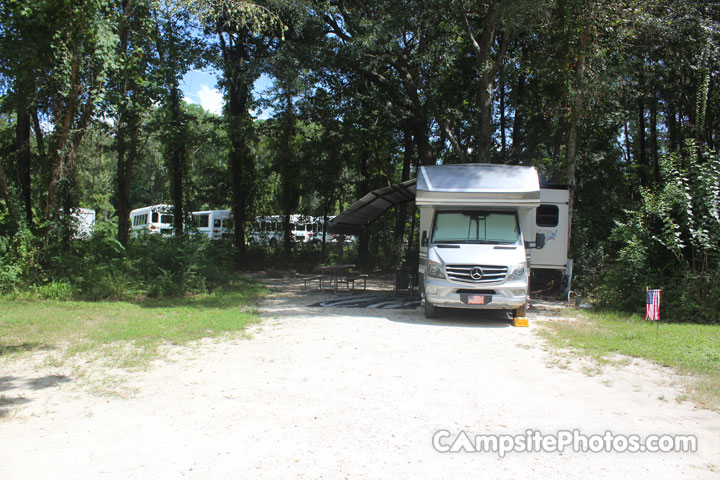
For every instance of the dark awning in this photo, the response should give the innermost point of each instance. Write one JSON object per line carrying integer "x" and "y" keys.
{"x": 366, "y": 210}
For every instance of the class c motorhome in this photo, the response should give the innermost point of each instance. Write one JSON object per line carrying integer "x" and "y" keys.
{"x": 214, "y": 224}
{"x": 482, "y": 228}
{"x": 153, "y": 219}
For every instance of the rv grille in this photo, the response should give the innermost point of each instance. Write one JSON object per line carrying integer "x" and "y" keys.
{"x": 464, "y": 273}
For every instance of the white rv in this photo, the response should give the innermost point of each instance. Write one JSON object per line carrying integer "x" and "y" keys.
{"x": 153, "y": 219}
{"x": 84, "y": 219}
{"x": 214, "y": 224}
{"x": 478, "y": 224}
{"x": 269, "y": 230}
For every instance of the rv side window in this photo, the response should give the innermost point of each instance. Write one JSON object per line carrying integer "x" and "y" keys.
{"x": 203, "y": 221}
{"x": 139, "y": 220}
{"x": 547, "y": 216}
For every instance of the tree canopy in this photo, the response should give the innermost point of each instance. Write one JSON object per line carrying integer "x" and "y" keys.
{"x": 619, "y": 100}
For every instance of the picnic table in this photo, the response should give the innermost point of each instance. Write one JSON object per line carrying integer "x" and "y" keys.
{"x": 333, "y": 274}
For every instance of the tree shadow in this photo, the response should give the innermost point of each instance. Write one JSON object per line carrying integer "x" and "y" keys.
{"x": 11, "y": 382}
{"x": 6, "y": 349}
{"x": 47, "y": 381}
{"x": 7, "y": 402}
{"x": 7, "y": 383}
{"x": 458, "y": 317}
{"x": 218, "y": 300}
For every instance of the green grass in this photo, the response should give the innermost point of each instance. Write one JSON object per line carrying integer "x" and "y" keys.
{"x": 690, "y": 348}
{"x": 107, "y": 328}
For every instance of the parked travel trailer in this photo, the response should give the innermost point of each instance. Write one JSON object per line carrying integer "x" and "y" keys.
{"x": 269, "y": 229}
{"x": 214, "y": 224}
{"x": 482, "y": 227}
{"x": 153, "y": 219}
{"x": 84, "y": 219}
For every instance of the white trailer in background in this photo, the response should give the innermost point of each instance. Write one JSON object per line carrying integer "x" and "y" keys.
{"x": 269, "y": 230}
{"x": 214, "y": 224}
{"x": 482, "y": 227}
{"x": 155, "y": 219}
{"x": 84, "y": 219}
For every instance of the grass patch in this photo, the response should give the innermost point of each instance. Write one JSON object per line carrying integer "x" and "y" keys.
{"x": 689, "y": 348}
{"x": 127, "y": 333}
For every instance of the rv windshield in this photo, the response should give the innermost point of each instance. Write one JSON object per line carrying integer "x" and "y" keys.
{"x": 476, "y": 227}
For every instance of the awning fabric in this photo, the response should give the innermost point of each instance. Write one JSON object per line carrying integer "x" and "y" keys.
{"x": 366, "y": 210}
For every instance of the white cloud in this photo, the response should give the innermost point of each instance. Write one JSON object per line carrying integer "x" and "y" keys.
{"x": 211, "y": 99}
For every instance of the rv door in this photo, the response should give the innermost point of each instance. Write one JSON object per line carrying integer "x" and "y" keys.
{"x": 551, "y": 219}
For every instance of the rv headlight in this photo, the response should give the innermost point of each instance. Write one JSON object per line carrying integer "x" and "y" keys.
{"x": 518, "y": 271}
{"x": 434, "y": 269}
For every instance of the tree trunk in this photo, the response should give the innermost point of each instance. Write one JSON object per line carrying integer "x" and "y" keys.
{"x": 520, "y": 100}
{"x": 711, "y": 114}
{"x": 401, "y": 217}
{"x": 22, "y": 148}
{"x": 5, "y": 193}
{"x": 126, "y": 126}
{"x": 289, "y": 176}
{"x": 323, "y": 245}
{"x": 503, "y": 139}
{"x": 364, "y": 240}
{"x": 239, "y": 126}
{"x": 628, "y": 148}
{"x": 653, "y": 140}
{"x": 642, "y": 154}
{"x": 177, "y": 157}
{"x": 341, "y": 238}
{"x": 287, "y": 233}
{"x": 484, "y": 141}
{"x": 126, "y": 160}
{"x": 673, "y": 133}
{"x": 572, "y": 142}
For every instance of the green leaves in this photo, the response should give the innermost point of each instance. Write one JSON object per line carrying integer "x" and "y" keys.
{"x": 670, "y": 240}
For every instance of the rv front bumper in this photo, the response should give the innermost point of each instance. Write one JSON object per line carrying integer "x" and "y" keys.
{"x": 505, "y": 296}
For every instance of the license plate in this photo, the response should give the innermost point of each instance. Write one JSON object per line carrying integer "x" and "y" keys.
{"x": 478, "y": 299}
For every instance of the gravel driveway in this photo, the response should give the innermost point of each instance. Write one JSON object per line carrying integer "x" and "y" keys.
{"x": 350, "y": 393}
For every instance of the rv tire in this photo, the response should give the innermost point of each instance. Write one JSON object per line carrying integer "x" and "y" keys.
{"x": 520, "y": 312}
{"x": 430, "y": 310}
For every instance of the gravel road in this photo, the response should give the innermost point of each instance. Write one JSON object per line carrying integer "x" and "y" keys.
{"x": 348, "y": 393}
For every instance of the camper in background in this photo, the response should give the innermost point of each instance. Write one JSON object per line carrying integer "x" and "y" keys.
{"x": 214, "y": 224}
{"x": 84, "y": 219}
{"x": 269, "y": 230}
{"x": 153, "y": 219}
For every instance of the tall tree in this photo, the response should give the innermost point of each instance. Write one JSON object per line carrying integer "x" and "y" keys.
{"x": 132, "y": 92}
{"x": 73, "y": 92}
{"x": 245, "y": 31}
{"x": 178, "y": 50}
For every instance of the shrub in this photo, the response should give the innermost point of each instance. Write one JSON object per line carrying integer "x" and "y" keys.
{"x": 671, "y": 241}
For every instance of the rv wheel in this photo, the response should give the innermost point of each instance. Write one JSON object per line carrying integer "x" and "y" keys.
{"x": 430, "y": 310}
{"x": 520, "y": 312}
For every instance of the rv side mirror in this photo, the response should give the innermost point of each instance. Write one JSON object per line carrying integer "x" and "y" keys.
{"x": 424, "y": 241}
{"x": 539, "y": 240}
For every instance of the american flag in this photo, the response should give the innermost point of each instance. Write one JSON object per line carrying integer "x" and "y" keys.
{"x": 652, "y": 304}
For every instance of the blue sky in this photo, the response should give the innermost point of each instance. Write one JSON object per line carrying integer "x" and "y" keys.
{"x": 200, "y": 87}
